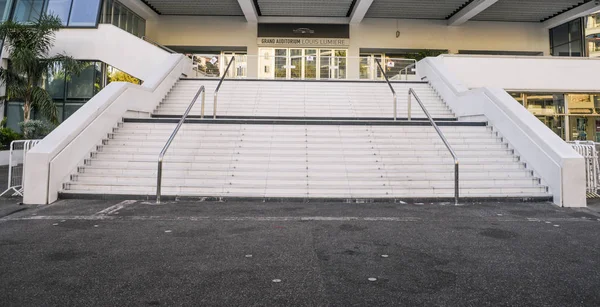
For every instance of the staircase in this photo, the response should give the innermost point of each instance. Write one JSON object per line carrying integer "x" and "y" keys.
{"x": 286, "y": 139}
{"x": 309, "y": 99}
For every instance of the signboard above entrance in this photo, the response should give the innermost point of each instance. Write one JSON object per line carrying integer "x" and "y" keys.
{"x": 303, "y": 30}
{"x": 303, "y": 42}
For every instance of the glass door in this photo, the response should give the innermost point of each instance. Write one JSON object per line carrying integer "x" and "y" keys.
{"x": 310, "y": 64}
{"x": 281, "y": 67}
{"x": 295, "y": 67}
{"x": 239, "y": 67}
{"x": 325, "y": 64}
{"x": 338, "y": 66}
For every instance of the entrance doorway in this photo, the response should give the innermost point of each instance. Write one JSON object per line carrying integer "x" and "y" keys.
{"x": 302, "y": 63}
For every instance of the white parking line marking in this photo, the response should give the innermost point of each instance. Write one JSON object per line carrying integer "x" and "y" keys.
{"x": 105, "y": 216}
{"x": 100, "y": 217}
{"x": 113, "y": 209}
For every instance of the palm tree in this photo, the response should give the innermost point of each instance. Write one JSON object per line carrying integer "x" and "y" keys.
{"x": 28, "y": 46}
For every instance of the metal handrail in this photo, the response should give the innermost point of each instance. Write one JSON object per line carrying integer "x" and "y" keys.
{"x": 218, "y": 87}
{"x": 167, "y": 49}
{"x": 391, "y": 87}
{"x": 405, "y": 69}
{"x": 161, "y": 156}
{"x": 411, "y": 92}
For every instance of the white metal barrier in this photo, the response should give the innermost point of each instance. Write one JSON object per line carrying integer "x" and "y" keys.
{"x": 589, "y": 151}
{"x": 16, "y": 165}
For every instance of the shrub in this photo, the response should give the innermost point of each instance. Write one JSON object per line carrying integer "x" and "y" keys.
{"x": 7, "y": 135}
{"x": 35, "y": 129}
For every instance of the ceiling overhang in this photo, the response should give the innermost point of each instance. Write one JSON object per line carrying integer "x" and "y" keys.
{"x": 455, "y": 12}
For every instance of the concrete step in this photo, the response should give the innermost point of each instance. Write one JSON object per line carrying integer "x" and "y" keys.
{"x": 300, "y": 158}
{"x": 432, "y": 175}
{"x": 249, "y": 146}
{"x": 413, "y": 164}
{"x": 209, "y": 127}
{"x": 372, "y": 182}
{"x": 388, "y": 192}
{"x": 409, "y": 152}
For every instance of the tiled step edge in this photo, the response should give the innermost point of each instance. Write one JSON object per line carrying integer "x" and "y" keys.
{"x": 302, "y": 121}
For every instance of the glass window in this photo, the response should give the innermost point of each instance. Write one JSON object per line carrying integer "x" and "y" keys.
{"x": 55, "y": 82}
{"x": 562, "y": 50}
{"x": 135, "y": 26}
{"x": 566, "y": 39}
{"x": 107, "y": 11}
{"x": 560, "y": 35}
{"x": 576, "y": 48}
{"x": 82, "y": 86}
{"x": 5, "y": 6}
{"x": 142, "y": 27}
{"x": 130, "y": 18}
{"x": 84, "y": 13}
{"x": 28, "y": 10}
{"x": 116, "y": 14}
{"x": 70, "y": 108}
{"x": 14, "y": 115}
{"x": 123, "y": 18}
{"x": 60, "y": 8}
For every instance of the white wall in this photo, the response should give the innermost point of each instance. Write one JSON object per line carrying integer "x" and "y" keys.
{"x": 207, "y": 31}
{"x": 51, "y": 161}
{"x": 436, "y": 34}
{"x": 555, "y": 74}
{"x": 560, "y": 167}
{"x": 113, "y": 46}
{"x": 371, "y": 33}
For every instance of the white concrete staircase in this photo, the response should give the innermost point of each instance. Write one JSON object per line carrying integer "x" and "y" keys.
{"x": 266, "y": 153}
{"x": 341, "y": 99}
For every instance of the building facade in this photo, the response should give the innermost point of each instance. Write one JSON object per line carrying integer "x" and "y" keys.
{"x": 340, "y": 39}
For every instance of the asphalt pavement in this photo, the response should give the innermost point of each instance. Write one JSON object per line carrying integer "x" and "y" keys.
{"x": 199, "y": 253}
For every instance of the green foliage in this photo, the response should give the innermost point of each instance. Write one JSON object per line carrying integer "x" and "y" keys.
{"x": 119, "y": 76}
{"x": 29, "y": 46}
{"x": 7, "y": 135}
{"x": 35, "y": 129}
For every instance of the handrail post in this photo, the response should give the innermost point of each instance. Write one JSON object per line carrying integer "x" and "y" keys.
{"x": 159, "y": 180}
{"x": 456, "y": 180}
{"x": 411, "y": 92}
{"x": 219, "y": 87}
{"x": 409, "y": 106}
{"x": 163, "y": 152}
{"x": 395, "y": 106}
{"x": 215, "y": 105}
{"x": 202, "y": 105}
{"x": 395, "y": 100}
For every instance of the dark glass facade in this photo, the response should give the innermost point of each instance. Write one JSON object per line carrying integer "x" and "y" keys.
{"x": 70, "y": 92}
{"x": 568, "y": 39}
{"x": 115, "y": 13}
{"x": 73, "y": 13}
{"x": 572, "y": 116}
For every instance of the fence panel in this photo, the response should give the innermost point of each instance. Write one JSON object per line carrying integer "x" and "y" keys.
{"x": 589, "y": 151}
{"x": 17, "y": 160}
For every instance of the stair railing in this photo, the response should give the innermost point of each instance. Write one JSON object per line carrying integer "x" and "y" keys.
{"x": 405, "y": 70}
{"x": 217, "y": 90}
{"x": 167, "y": 49}
{"x": 391, "y": 87}
{"x": 161, "y": 156}
{"x": 411, "y": 93}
